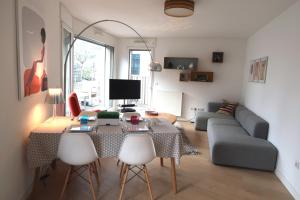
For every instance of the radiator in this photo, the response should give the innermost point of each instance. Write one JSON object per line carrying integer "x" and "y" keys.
{"x": 168, "y": 101}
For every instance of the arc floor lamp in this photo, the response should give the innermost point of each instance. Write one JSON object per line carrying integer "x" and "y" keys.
{"x": 154, "y": 66}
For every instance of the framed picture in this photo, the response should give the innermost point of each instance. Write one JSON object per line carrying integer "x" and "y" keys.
{"x": 217, "y": 57}
{"x": 258, "y": 70}
{"x": 32, "y": 53}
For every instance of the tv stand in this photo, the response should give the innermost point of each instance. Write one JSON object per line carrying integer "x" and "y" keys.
{"x": 124, "y": 109}
{"x": 127, "y": 105}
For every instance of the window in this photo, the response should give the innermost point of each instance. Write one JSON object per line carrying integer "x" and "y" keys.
{"x": 136, "y": 64}
{"x": 139, "y": 70}
{"x": 92, "y": 67}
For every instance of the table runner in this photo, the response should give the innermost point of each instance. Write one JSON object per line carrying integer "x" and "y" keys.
{"x": 42, "y": 147}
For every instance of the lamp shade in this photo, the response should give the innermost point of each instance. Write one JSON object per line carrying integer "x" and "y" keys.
{"x": 54, "y": 96}
{"x": 179, "y": 8}
{"x": 155, "y": 66}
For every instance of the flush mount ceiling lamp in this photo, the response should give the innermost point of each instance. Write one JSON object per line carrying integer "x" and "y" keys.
{"x": 179, "y": 8}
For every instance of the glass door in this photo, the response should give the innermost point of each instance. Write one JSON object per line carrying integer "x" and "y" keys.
{"x": 92, "y": 68}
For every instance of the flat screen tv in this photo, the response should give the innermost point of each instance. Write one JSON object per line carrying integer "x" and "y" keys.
{"x": 124, "y": 89}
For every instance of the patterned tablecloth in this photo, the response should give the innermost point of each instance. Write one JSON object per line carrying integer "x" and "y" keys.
{"x": 42, "y": 147}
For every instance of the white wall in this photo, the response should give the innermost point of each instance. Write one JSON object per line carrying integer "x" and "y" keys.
{"x": 277, "y": 101}
{"x": 94, "y": 33}
{"x": 228, "y": 76}
{"x": 124, "y": 45}
{"x": 18, "y": 118}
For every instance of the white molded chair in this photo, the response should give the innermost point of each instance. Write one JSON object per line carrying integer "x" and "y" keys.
{"x": 127, "y": 115}
{"x": 77, "y": 149}
{"x": 136, "y": 150}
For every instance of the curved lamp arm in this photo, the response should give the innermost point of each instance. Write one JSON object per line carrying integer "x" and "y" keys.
{"x": 153, "y": 66}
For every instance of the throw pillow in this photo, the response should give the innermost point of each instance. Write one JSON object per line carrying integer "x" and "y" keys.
{"x": 227, "y": 108}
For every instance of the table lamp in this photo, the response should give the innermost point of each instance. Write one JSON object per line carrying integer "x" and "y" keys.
{"x": 54, "y": 96}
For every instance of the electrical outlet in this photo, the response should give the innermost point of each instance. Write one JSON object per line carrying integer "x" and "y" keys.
{"x": 194, "y": 108}
{"x": 297, "y": 164}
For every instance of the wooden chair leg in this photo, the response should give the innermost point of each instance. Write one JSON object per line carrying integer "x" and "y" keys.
{"x": 71, "y": 172}
{"x": 161, "y": 161}
{"x": 124, "y": 181}
{"x": 65, "y": 183}
{"x": 99, "y": 163}
{"x": 96, "y": 173}
{"x": 121, "y": 170}
{"x": 90, "y": 181}
{"x": 148, "y": 181}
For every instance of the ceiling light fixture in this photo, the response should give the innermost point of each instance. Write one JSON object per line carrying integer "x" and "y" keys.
{"x": 179, "y": 8}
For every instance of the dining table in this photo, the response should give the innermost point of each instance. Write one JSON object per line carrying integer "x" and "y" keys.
{"x": 43, "y": 141}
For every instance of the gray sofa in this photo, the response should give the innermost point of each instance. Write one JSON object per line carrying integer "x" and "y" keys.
{"x": 238, "y": 141}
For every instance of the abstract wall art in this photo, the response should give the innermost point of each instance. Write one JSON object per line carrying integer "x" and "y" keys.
{"x": 32, "y": 54}
{"x": 258, "y": 70}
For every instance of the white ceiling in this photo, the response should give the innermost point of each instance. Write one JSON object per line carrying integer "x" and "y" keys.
{"x": 212, "y": 18}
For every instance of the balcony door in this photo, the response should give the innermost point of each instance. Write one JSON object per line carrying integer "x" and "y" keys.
{"x": 92, "y": 67}
{"x": 139, "y": 70}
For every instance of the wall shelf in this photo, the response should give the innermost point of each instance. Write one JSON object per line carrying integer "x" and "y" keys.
{"x": 202, "y": 76}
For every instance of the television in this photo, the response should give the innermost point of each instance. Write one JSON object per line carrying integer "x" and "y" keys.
{"x": 124, "y": 89}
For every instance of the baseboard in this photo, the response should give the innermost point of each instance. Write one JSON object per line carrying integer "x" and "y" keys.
{"x": 287, "y": 184}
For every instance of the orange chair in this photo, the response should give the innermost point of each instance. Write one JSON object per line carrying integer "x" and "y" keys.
{"x": 74, "y": 104}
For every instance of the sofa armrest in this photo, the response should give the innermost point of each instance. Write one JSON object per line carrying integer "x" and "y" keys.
{"x": 213, "y": 106}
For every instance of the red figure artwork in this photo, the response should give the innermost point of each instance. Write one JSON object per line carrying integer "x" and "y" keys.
{"x": 35, "y": 78}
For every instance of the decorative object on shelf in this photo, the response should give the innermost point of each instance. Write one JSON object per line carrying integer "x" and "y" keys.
{"x": 258, "y": 70}
{"x": 202, "y": 76}
{"x": 217, "y": 57}
{"x": 179, "y": 8}
{"x": 54, "y": 96}
{"x": 184, "y": 76}
{"x": 31, "y": 48}
{"x": 180, "y": 63}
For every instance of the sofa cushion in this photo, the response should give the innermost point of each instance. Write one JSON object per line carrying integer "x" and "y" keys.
{"x": 227, "y": 131}
{"x": 221, "y": 121}
{"x": 255, "y": 125}
{"x": 202, "y": 117}
{"x": 231, "y": 145}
